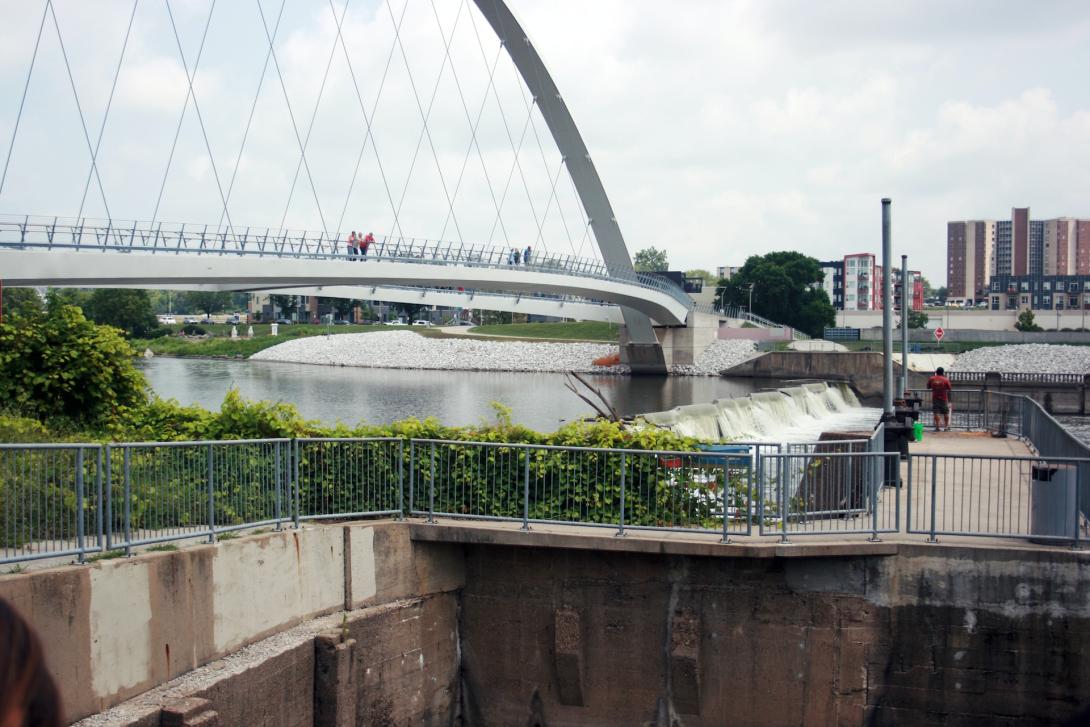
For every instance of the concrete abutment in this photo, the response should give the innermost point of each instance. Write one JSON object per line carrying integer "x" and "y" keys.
{"x": 456, "y": 624}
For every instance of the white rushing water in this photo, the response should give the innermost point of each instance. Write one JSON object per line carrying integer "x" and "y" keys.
{"x": 793, "y": 414}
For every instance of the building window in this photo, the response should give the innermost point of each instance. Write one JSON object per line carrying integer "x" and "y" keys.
{"x": 1046, "y": 285}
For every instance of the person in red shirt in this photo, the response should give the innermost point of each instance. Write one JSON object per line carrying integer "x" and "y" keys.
{"x": 940, "y": 399}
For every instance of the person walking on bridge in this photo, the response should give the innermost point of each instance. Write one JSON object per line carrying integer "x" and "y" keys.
{"x": 367, "y": 242}
{"x": 940, "y": 399}
{"x": 526, "y": 256}
{"x": 352, "y": 243}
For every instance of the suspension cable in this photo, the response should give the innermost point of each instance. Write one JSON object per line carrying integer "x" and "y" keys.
{"x": 181, "y": 118}
{"x": 314, "y": 115}
{"x": 22, "y": 101}
{"x": 425, "y": 131}
{"x": 291, "y": 116}
{"x": 79, "y": 108}
{"x": 369, "y": 120}
{"x": 197, "y": 108}
{"x": 253, "y": 109}
{"x": 106, "y": 114}
{"x": 473, "y": 126}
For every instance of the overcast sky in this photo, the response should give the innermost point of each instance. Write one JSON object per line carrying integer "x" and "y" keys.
{"x": 720, "y": 129}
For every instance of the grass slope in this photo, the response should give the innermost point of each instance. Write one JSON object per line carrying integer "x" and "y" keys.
{"x": 221, "y": 345}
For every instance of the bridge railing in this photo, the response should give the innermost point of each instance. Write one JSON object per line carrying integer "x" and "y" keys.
{"x": 737, "y": 313}
{"x": 129, "y": 236}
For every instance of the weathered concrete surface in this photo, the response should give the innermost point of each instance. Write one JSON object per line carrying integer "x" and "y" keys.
{"x": 925, "y": 637}
{"x": 116, "y": 628}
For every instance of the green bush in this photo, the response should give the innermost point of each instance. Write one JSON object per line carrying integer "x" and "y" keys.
{"x": 192, "y": 329}
{"x": 63, "y": 365}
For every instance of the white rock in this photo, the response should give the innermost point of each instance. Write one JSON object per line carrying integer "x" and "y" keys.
{"x": 1045, "y": 358}
{"x": 407, "y": 350}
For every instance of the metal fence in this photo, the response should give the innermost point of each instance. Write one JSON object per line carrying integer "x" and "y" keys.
{"x": 50, "y": 500}
{"x": 62, "y": 500}
{"x": 1005, "y": 497}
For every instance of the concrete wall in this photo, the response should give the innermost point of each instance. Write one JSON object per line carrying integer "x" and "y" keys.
{"x": 978, "y": 320}
{"x": 933, "y": 635}
{"x": 116, "y": 628}
{"x": 927, "y": 335}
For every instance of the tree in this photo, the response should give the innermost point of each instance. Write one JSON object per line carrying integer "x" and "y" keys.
{"x": 208, "y": 301}
{"x": 917, "y": 319}
{"x": 63, "y": 365}
{"x": 1026, "y": 323}
{"x": 650, "y": 260}
{"x": 285, "y": 304}
{"x": 708, "y": 278}
{"x": 22, "y": 303}
{"x": 129, "y": 310}
{"x": 57, "y": 298}
{"x": 785, "y": 290}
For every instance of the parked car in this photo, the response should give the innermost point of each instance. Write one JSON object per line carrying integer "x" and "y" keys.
{"x": 168, "y": 320}
{"x": 234, "y": 319}
{"x": 191, "y": 320}
{"x": 283, "y": 321}
{"x": 341, "y": 322}
{"x": 394, "y": 322}
{"x": 466, "y": 323}
{"x": 422, "y": 322}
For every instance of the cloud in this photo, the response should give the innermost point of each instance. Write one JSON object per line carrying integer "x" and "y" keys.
{"x": 720, "y": 129}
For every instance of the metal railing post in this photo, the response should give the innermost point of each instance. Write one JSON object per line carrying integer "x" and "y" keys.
{"x": 624, "y": 468}
{"x": 1078, "y": 488}
{"x": 211, "y": 499}
{"x": 79, "y": 505}
{"x": 294, "y": 484}
{"x": 526, "y": 491}
{"x": 431, "y": 487}
{"x": 783, "y": 501}
{"x": 128, "y": 500}
{"x": 412, "y": 475}
{"x": 109, "y": 498}
{"x": 934, "y": 497}
{"x": 908, "y": 501}
{"x": 98, "y": 501}
{"x": 278, "y": 477}
{"x": 401, "y": 479}
{"x": 876, "y": 479}
{"x": 726, "y": 474}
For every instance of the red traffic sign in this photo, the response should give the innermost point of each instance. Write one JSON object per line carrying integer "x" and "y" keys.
{"x": 939, "y": 333}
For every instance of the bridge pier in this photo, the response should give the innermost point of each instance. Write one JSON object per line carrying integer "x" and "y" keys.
{"x": 677, "y": 345}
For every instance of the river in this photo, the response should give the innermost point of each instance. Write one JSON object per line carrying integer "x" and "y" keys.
{"x": 457, "y": 398}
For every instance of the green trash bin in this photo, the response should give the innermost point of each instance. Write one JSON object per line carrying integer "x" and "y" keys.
{"x": 917, "y": 431}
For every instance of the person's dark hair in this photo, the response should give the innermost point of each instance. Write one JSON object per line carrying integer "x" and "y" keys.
{"x": 939, "y": 371}
{"x": 28, "y": 695}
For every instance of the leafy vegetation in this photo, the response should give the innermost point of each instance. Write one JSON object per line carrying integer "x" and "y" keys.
{"x": 650, "y": 260}
{"x": 917, "y": 319}
{"x": 221, "y": 345}
{"x": 1026, "y": 322}
{"x": 784, "y": 289}
{"x": 129, "y": 310}
{"x": 62, "y": 365}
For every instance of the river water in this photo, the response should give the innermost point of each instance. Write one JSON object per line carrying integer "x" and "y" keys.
{"x": 457, "y": 398}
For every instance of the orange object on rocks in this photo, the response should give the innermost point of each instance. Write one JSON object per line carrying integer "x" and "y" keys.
{"x": 612, "y": 359}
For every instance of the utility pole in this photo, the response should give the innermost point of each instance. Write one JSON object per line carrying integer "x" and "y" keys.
{"x": 887, "y": 314}
{"x": 905, "y": 309}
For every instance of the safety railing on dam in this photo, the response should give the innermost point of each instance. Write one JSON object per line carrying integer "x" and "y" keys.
{"x": 86, "y": 500}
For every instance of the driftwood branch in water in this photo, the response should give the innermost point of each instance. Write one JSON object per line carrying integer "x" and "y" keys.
{"x": 607, "y": 413}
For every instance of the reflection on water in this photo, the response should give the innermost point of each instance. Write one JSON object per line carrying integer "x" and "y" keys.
{"x": 457, "y": 398}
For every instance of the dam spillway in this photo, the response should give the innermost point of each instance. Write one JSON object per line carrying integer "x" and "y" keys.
{"x": 791, "y": 414}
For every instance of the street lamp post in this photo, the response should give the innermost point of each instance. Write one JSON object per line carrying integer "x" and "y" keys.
{"x": 750, "y": 309}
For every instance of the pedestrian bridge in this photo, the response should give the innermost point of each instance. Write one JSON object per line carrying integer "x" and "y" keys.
{"x": 84, "y": 253}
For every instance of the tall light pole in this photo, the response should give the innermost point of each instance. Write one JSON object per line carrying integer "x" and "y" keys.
{"x": 750, "y": 309}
